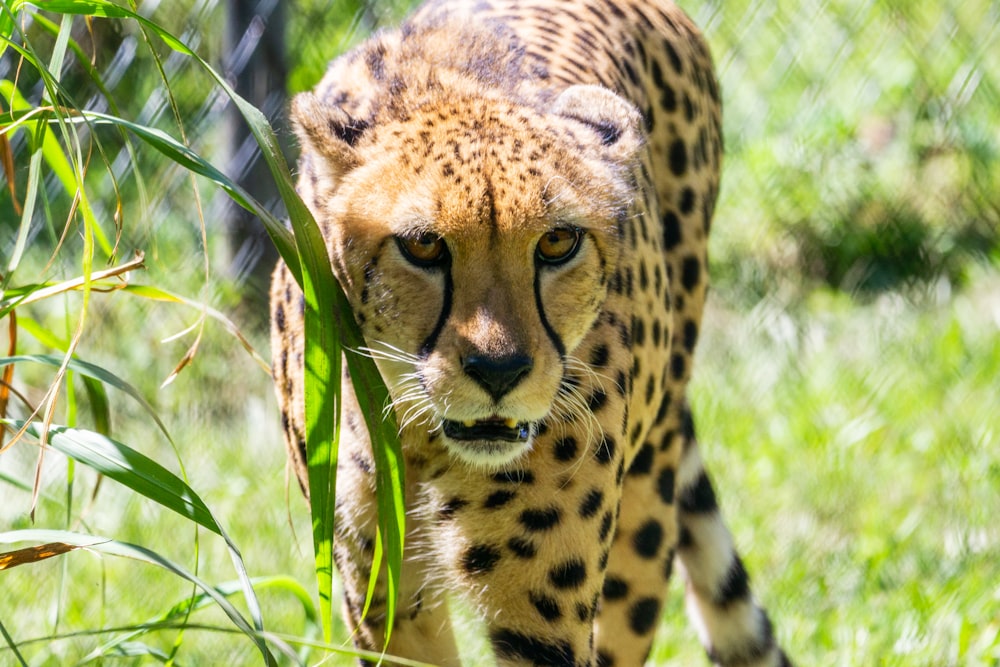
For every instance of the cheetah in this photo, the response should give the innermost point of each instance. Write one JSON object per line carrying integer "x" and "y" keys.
{"x": 516, "y": 198}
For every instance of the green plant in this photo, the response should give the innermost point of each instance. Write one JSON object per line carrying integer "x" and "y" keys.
{"x": 64, "y": 138}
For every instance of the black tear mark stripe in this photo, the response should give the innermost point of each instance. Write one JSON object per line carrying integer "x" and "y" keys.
{"x": 449, "y": 288}
{"x": 553, "y": 336}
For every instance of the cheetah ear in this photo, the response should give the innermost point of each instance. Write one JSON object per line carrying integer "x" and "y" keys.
{"x": 616, "y": 122}
{"x": 328, "y": 132}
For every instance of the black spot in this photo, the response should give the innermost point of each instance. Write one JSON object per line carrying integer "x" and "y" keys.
{"x": 668, "y": 566}
{"x": 638, "y": 331}
{"x": 650, "y": 387}
{"x": 668, "y": 98}
{"x": 687, "y": 425}
{"x": 735, "y": 586}
{"x": 546, "y": 606}
{"x": 657, "y": 334}
{"x": 565, "y": 449}
{"x": 604, "y": 659}
{"x": 648, "y": 538}
{"x": 448, "y": 510}
{"x": 685, "y": 539}
{"x": 637, "y": 429}
{"x": 690, "y": 272}
{"x": 678, "y": 366}
{"x": 582, "y": 612}
{"x": 690, "y": 335}
{"x": 511, "y": 645}
{"x": 657, "y": 73}
{"x": 675, "y": 59}
{"x": 597, "y": 400}
{"x": 569, "y": 574}
{"x": 350, "y": 131}
{"x": 537, "y": 520}
{"x": 499, "y": 498}
{"x": 671, "y": 230}
{"x": 606, "y": 520}
{"x": 665, "y": 485}
{"x": 699, "y": 498}
{"x": 687, "y": 201}
{"x": 514, "y": 477}
{"x": 279, "y": 316}
{"x": 599, "y": 356}
{"x": 521, "y": 547}
{"x": 643, "y": 461}
{"x": 591, "y": 503}
{"x": 678, "y": 157}
{"x": 606, "y": 448}
{"x": 480, "y": 559}
{"x": 661, "y": 413}
{"x": 602, "y": 562}
{"x": 621, "y": 384}
{"x": 642, "y": 615}
{"x": 615, "y": 588}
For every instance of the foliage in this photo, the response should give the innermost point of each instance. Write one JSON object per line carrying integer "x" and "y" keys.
{"x": 327, "y": 315}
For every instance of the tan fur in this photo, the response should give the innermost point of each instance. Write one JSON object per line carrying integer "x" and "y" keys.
{"x": 504, "y": 131}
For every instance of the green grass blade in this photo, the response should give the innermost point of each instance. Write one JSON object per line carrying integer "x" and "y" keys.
{"x": 180, "y": 611}
{"x": 136, "y": 552}
{"x": 12, "y": 645}
{"x": 148, "y": 478}
{"x": 89, "y": 370}
{"x": 259, "y": 126}
{"x": 129, "y": 468}
{"x": 190, "y": 160}
{"x": 100, "y": 407}
{"x": 327, "y": 316}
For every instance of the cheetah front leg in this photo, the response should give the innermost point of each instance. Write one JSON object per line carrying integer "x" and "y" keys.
{"x": 668, "y": 512}
{"x": 422, "y": 627}
{"x": 732, "y": 626}
{"x": 528, "y": 546}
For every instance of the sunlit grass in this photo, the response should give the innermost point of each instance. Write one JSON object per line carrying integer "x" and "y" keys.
{"x": 856, "y": 448}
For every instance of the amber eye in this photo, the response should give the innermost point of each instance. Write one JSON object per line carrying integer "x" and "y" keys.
{"x": 559, "y": 245}
{"x": 424, "y": 250}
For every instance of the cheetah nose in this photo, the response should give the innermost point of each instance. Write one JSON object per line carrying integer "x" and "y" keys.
{"x": 497, "y": 375}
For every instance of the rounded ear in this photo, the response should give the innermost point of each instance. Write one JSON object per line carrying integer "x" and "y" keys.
{"x": 328, "y": 132}
{"x": 615, "y": 122}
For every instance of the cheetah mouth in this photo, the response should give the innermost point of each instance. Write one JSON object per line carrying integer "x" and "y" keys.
{"x": 492, "y": 429}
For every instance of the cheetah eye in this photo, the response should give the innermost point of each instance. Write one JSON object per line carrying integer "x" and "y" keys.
{"x": 426, "y": 250}
{"x": 558, "y": 245}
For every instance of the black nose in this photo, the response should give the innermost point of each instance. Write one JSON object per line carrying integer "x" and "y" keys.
{"x": 497, "y": 375}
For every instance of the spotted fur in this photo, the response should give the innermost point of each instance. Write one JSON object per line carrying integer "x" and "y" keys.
{"x": 516, "y": 198}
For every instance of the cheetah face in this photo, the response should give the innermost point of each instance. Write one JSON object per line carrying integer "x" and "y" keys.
{"x": 476, "y": 243}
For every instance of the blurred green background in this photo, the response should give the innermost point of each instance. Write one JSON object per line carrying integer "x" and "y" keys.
{"x": 848, "y": 384}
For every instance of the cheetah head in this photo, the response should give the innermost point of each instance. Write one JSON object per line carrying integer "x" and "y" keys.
{"x": 475, "y": 239}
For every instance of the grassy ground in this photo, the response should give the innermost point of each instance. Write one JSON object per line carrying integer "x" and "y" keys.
{"x": 855, "y": 448}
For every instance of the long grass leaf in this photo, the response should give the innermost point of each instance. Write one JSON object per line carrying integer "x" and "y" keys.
{"x": 136, "y": 552}
{"x": 327, "y": 316}
{"x": 89, "y": 370}
{"x": 12, "y": 645}
{"x": 148, "y": 478}
{"x": 180, "y": 611}
{"x": 129, "y": 468}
